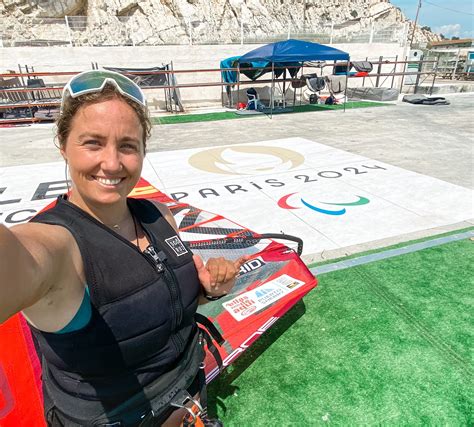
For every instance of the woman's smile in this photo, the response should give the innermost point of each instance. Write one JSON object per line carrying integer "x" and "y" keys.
{"x": 108, "y": 182}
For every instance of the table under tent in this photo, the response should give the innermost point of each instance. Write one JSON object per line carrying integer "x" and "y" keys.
{"x": 285, "y": 60}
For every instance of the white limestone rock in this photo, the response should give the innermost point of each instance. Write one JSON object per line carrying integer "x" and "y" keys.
{"x": 182, "y": 21}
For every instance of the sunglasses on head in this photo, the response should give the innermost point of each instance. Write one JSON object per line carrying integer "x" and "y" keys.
{"x": 95, "y": 81}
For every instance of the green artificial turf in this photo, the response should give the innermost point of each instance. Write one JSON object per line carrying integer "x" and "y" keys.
{"x": 349, "y": 105}
{"x": 230, "y": 115}
{"x": 188, "y": 118}
{"x": 386, "y": 343}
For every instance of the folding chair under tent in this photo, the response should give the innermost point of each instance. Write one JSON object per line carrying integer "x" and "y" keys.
{"x": 288, "y": 55}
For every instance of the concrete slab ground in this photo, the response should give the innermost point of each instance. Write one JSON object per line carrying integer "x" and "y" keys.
{"x": 436, "y": 141}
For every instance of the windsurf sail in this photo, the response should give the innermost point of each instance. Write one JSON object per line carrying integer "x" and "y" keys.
{"x": 268, "y": 285}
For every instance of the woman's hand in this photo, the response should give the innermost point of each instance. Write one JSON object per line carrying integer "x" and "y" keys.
{"x": 218, "y": 275}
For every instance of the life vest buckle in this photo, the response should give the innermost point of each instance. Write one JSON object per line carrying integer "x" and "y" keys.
{"x": 184, "y": 400}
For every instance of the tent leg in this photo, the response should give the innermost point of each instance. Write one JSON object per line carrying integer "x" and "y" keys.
{"x": 238, "y": 85}
{"x": 272, "y": 91}
{"x": 301, "y": 89}
{"x": 347, "y": 79}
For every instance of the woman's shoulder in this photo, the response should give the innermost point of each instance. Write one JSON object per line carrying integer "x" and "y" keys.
{"x": 33, "y": 229}
{"x": 39, "y": 259}
{"x": 161, "y": 207}
{"x": 37, "y": 234}
{"x": 164, "y": 211}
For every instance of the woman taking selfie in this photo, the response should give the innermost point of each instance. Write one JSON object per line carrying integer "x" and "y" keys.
{"x": 108, "y": 288}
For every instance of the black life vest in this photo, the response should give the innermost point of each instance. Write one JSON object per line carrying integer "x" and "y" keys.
{"x": 142, "y": 335}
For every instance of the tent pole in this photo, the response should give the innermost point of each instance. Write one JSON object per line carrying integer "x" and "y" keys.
{"x": 238, "y": 83}
{"x": 223, "y": 89}
{"x": 347, "y": 79}
{"x": 166, "y": 91}
{"x": 294, "y": 92}
{"x": 301, "y": 89}
{"x": 272, "y": 91}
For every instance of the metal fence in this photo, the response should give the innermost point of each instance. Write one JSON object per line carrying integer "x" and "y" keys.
{"x": 29, "y": 96}
{"x": 128, "y": 31}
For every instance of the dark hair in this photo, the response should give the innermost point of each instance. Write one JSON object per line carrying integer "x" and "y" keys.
{"x": 71, "y": 106}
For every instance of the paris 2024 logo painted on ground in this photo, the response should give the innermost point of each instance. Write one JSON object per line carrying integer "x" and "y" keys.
{"x": 340, "y": 208}
{"x": 246, "y": 160}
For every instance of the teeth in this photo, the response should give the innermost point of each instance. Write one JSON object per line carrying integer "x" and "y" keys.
{"x": 109, "y": 181}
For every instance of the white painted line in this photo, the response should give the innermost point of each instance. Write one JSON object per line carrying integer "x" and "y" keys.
{"x": 341, "y": 265}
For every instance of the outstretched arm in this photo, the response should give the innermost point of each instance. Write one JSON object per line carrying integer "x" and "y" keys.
{"x": 29, "y": 258}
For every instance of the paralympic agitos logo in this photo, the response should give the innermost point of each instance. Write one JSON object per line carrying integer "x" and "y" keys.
{"x": 246, "y": 160}
{"x": 327, "y": 208}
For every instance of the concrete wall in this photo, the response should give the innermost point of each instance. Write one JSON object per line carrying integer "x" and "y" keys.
{"x": 184, "y": 57}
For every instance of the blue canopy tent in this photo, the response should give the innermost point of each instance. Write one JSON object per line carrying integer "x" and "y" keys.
{"x": 290, "y": 53}
{"x": 294, "y": 51}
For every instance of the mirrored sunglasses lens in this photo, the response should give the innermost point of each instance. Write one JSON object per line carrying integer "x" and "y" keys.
{"x": 94, "y": 81}
{"x": 86, "y": 82}
{"x": 130, "y": 88}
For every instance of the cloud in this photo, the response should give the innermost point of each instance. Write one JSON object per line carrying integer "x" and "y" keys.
{"x": 449, "y": 30}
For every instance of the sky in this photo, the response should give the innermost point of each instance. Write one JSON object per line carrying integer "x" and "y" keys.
{"x": 450, "y": 18}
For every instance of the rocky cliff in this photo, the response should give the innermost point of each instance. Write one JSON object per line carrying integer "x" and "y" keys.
{"x": 151, "y": 22}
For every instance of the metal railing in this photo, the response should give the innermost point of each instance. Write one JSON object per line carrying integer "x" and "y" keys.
{"x": 20, "y": 99}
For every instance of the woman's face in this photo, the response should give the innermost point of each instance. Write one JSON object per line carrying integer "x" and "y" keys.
{"x": 105, "y": 152}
